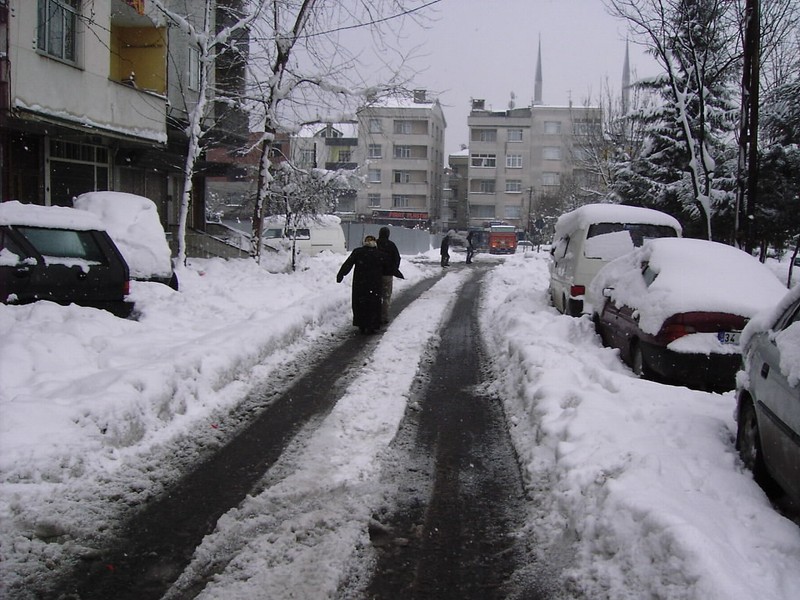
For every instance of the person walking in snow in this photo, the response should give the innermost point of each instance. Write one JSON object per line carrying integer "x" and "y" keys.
{"x": 367, "y": 284}
{"x": 444, "y": 249}
{"x": 391, "y": 269}
{"x": 470, "y": 246}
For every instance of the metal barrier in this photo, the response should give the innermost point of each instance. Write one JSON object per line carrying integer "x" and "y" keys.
{"x": 204, "y": 245}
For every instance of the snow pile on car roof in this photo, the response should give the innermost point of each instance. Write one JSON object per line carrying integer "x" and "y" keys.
{"x": 691, "y": 275}
{"x": 584, "y": 216}
{"x": 132, "y": 222}
{"x": 51, "y": 217}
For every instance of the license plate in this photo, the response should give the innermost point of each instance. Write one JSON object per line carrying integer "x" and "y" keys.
{"x": 729, "y": 337}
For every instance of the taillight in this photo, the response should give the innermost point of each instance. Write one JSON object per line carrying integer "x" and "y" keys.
{"x": 699, "y": 322}
{"x": 577, "y": 290}
{"x": 672, "y": 331}
{"x": 126, "y": 287}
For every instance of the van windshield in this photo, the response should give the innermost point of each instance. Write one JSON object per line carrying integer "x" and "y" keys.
{"x": 607, "y": 241}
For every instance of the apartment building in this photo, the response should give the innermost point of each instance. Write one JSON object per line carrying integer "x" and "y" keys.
{"x": 401, "y": 144}
{"x": 95, "y": 96}
{"x": 521, "y": 154}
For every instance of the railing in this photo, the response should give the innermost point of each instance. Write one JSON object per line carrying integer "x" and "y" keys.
{"x": 204, "y": 245}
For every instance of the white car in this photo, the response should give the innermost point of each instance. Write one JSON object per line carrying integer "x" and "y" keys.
{"x": 589, "y": 237}
{"x": 768, "y": 396}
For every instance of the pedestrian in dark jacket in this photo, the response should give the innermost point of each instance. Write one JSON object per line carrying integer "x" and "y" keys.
{"x": 444, "y": 249}
{"x": 367, "y": 283}
{"x": 470, "y": 246}
{"x": 391, "y": 269}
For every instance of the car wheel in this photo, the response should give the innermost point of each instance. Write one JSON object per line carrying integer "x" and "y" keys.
{"x": 748, "y": 440}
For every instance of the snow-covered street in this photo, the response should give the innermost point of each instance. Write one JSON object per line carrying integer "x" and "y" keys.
{"x": 639, "y": 481}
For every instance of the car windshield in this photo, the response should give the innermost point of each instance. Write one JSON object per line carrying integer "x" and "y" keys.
{"x": 610, "y": 240}
{"x": 63, "y": 243}
{"x": 639, "y": 232}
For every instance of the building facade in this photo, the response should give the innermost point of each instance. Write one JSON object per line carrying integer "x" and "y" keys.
{"x": 519, "y": 155}
{"x": 98, "y": 100}
{"x": 401, "y": 147}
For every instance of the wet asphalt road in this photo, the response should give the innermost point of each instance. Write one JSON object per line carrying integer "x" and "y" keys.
{"x": 449, "y": 533}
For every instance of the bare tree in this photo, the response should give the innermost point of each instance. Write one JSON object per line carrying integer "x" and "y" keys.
{"x": 209, "y": 42}
{"x": 303, "y": 65}
{"x": 604, "y": 152}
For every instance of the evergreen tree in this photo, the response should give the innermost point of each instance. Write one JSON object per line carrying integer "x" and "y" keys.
{"x": 688, "y": 159}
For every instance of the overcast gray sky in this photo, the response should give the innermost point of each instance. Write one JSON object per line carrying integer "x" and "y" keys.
{"x": 488, "y": 48}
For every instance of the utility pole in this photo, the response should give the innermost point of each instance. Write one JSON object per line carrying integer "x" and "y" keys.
{"x": 747, "y": 175}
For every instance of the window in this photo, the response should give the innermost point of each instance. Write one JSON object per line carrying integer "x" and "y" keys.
{"x": 552, "y": 127}
{"x": 374, "y": 200}
{"x": 400, "y": 201}
{"x": 486, "y": 186}
{"x": 551, "y": 153}
{"x": 58, "y": 21}
{"x": 402, "y": 177}
{"x": 513, "y": 185}
{"x": 583, "y": 127}
{"x": 402, "y": 127}
{"x": 481, "y": 211}
{"x": 515, "y": 135}
{"x": 374, "y": 175}
{"x": 402, "y": 151}
{"x": 512, "y": 212}
{"x": 375, "y": 126}
{"x": 308, "y": 157}
{"x": 194, "y": 69}
{"x": 483, "y": 160}
{"x": 514, "y": 161}
{"x": 375, "y": 151}
{"x": 550, "y": 179}
{"x": 484, "y": 135}
{"x": 345, "y": 155}
{"x": 64, "y": 243}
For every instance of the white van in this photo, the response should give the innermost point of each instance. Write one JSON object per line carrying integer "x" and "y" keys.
{"x": 591, "y": 236}
{"x": 313, "y": 234}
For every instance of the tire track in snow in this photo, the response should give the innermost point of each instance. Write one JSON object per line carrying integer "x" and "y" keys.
{"x": 296, "y": 538}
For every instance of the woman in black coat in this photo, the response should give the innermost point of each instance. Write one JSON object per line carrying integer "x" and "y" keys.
{"x": 367, "y": 283}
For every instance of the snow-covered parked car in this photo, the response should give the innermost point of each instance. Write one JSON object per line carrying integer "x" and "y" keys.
{"x": 62, "y": 255}
{"x": 589, "y": 237}
{"x": 768, "y": 395}
{"x": 133, "y": 223}
{"x": 675, "y": 308}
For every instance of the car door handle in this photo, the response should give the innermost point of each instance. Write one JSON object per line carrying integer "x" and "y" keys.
{"x": 764, "y": 370}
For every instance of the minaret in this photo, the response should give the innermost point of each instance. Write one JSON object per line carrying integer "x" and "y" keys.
{"x": 626, "y": 81}
{"x": 537, "y": 88}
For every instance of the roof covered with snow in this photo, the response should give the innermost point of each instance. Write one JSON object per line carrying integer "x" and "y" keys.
{"x": 133, "y": 223}
{"x": 56, "y": 217}
{"x": 582, "y": 217}
{"x": 690, "y": 275}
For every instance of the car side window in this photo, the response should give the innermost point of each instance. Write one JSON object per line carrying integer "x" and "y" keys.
{"x": 648, "y": 273}
{"x": 792, "y": 316}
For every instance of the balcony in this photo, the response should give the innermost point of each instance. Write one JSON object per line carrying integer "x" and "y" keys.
{"x": 341, "y": 166}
